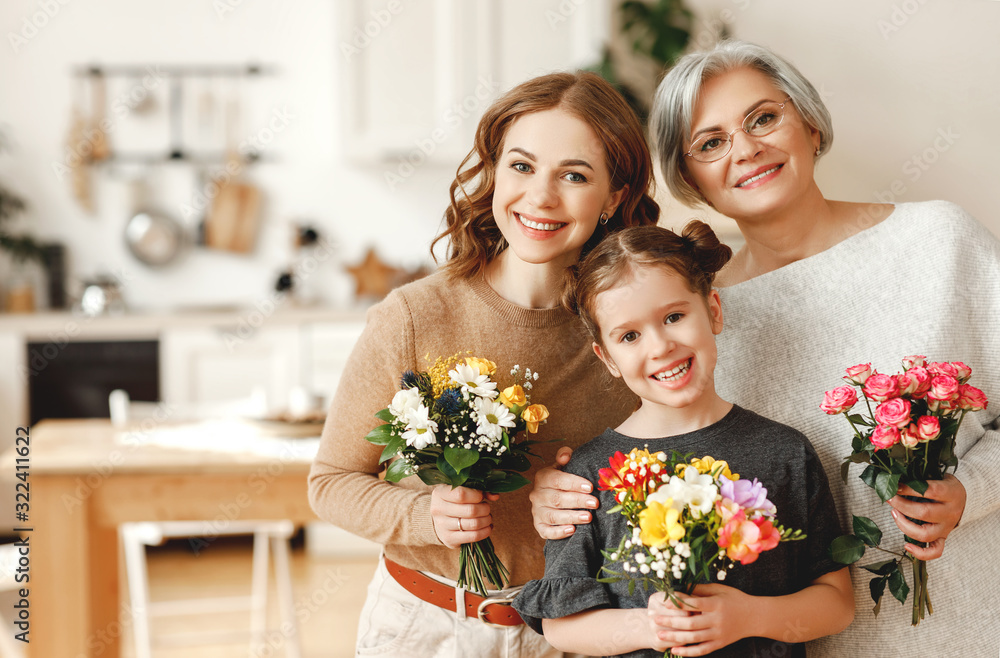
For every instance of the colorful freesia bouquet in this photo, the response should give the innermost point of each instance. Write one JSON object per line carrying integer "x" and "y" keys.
{"x": 909, "y": 439}
{"x": 451, "y": 425}
{"x": 689, "y": 521}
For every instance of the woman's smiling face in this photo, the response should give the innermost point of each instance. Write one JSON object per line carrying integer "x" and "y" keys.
{"x": 552, "y": 185}
{"x": 759, "y": 175}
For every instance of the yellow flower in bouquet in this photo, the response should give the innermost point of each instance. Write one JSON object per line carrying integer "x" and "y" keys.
{"x": 533, "y": 416}
{"x": 659, "y": 523}
{"x": 513, "y": 396}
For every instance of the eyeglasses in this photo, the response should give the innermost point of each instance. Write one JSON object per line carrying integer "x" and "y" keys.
{"x": 762, "y": 121}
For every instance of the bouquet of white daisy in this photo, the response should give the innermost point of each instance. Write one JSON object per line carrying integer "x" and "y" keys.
{"x": 452, "y": 425}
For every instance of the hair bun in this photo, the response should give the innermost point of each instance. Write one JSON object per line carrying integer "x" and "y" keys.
{"x": 710, "y": 254}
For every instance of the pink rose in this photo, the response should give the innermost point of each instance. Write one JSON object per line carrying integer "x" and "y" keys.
{"x": 910, "y": 437}
{"x": 839, "y": 400}
{"x": 963, "y": 372}
{"x": 907, "y": 385}
{"x": 971, "y": 398}
{"x": 885, "y": 436}
{"x": 894, "y": 412}
{"x": 943, "y": 369}
{"x": 915, "y": 361}
{"x": 943, "y": 392}
{"x": 928, "y": 428}
{"x": 859, "y": 373}
{"x": 922, "y": 378}
{"x": 881, "y": 387}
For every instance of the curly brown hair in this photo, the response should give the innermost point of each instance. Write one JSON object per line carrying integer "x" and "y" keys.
{"x": 474, "y": 238}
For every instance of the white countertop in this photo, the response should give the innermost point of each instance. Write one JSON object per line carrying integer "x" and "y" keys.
{"x": 62, "y": 325}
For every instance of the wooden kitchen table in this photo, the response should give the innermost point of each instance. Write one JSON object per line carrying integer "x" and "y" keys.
{"x": 87, "y": 477}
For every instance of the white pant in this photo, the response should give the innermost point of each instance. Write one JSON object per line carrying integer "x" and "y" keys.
{"x": 396, "y": 623}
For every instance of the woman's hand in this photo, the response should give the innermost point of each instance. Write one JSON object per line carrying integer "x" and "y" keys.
{"x": 557, "y": 499}
{"x": 715, "y": 616}
{"x": 940, "y": 514}
{"x": 461, "y": 515}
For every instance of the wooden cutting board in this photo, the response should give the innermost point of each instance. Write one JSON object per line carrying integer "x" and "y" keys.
{"x": 232, "y": 220}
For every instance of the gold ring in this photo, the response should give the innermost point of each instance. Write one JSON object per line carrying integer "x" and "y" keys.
{"x": 460, "y": 529}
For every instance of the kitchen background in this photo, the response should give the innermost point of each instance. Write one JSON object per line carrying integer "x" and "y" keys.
{"x": 313, "y": 132}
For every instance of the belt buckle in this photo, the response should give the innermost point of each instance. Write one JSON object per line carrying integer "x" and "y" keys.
{"x": 501, "y": 599}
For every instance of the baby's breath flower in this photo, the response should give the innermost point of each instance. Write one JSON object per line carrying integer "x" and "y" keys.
{"x": 644, "y": 568}
{"x": 721, "y": 575}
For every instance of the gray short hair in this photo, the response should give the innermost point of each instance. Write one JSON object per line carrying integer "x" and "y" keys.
{"x": 673, "y": 104}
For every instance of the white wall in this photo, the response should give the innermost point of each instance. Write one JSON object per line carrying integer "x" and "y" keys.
{"x": 895, "y": 74}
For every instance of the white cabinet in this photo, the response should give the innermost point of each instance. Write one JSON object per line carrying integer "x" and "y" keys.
{"x": 326, "y": 348}
{"x": 223, "y": 364}
{"x": 419, "y": 75}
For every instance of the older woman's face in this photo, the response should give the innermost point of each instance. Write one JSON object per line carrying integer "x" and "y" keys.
{"x": 760, "y": 175}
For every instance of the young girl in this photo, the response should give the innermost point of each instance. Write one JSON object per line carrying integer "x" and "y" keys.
{"x": 559, "y": 162}
{"x": 646, "y": 296}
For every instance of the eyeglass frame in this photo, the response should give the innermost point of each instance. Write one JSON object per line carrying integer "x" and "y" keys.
{"x": 729, "y": 136}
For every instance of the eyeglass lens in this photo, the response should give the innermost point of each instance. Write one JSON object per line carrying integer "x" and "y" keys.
{"x": 762, "y": 121}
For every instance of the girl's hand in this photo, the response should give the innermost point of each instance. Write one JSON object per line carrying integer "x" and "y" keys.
{"x": 940, "y": 514}
{"x": 715, "y": 617}
{"x": 461, "y": 515}
{"x": 557, "y": 499}
{"x": 661, "y": 612}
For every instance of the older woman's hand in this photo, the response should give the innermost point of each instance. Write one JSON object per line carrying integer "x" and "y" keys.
{"x": 940, "y": 514}
{"x": 558, "y": 498}
{"x": 461, "y": 515}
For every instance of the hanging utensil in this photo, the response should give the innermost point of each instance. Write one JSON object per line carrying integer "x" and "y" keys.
{"x": 153, "y": 238}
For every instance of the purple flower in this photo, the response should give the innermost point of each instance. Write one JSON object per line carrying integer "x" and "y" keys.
{"x": 748, "y": 495}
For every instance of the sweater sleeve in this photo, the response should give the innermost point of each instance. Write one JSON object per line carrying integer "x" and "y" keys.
{"x": 976, "y": 307}
{"x": 344, "y": 486}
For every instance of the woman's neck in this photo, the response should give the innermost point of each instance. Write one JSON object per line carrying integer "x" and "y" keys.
{"x": 778, "y": 240}
{"x": 530, "y": 285}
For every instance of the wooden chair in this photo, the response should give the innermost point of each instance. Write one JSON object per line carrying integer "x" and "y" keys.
{"x": 269, "y": 537}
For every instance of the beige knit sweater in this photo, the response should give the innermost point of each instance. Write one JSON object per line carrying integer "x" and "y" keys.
{"x": 438, "y": 316}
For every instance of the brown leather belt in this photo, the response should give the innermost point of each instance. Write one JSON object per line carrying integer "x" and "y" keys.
{"x": 495, "y": 611}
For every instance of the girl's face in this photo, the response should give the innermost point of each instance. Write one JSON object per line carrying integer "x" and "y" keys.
{"x": 760, "y": 175}
{"x": 660, "y": 337}
{"x": 552, "y": 184}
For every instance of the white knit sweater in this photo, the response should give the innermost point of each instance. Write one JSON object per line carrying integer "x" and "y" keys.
{"x": 926, "y": 280}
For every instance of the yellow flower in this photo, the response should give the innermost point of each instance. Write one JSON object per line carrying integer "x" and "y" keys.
{"x": 438, "y": 371}
{"x": 659, "y": 523}
{"x": 484, "y": 366}
{"x": 513, "y": 396}
{"x": 711, "y": 466}
{"x": 534, "y": 415}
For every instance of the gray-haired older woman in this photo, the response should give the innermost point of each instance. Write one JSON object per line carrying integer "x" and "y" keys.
{"x": 822, "y": 285}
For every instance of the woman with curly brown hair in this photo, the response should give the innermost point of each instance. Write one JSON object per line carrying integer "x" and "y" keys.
{"x": 558, "y": 163}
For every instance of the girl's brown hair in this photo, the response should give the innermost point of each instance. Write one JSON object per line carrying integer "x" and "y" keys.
{"x": 696, "y": 255}
{"x": 474, "y": 239}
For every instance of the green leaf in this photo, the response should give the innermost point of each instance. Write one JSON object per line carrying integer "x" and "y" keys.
{"x": 381, "y": 435}
{"x": 867, "y": 530}
{"x": 886, "y": 485}
{"x": 882, "y": 568}
{"x": 860, "y": 457}
{"x": 455, "y": 478}
{"x": 512, "y": 482}
{"x": 845, "y": 469}
{"x": 920, "y": 486}
{"x": 858, "y": 419}
{"x": 847, "y": 549}
{"x": 397, "y": 470}
{"x": 431, "y": 476}
{"x": 898, "y": 586}
{"x": 392, "y": 448}
{"x": 460, "y": 458}
{"x": 515, "y": 461}
{"x": 877, "y": 588}
{"x": 385, "y": 416}
{"x": 869, "y": 474}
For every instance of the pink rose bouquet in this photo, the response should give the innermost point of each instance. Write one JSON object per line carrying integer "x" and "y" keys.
{"x": 688, "y": 521}
{"x": 909, "y": 438}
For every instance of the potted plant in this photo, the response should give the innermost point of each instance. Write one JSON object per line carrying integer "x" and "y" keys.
{"x": 22, "y": 249}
